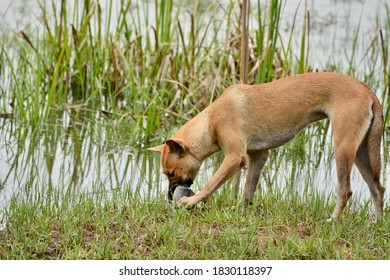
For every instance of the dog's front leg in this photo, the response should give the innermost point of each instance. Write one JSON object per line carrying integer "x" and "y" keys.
{"x": 230, "y": 165}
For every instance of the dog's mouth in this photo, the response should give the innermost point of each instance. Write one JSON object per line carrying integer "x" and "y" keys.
{"x": 185, "y": 183}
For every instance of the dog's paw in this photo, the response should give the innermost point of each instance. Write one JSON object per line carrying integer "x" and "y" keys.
{"x": 331, "y": 220}
{"x": 188, "y": 202}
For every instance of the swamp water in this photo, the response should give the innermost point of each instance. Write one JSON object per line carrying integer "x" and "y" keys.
{"x": 82, "y": 151}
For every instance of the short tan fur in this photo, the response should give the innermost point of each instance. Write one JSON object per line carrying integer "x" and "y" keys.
{"x": 249, "y": 120}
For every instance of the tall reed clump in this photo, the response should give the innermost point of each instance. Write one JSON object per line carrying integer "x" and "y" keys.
{"x": 141, "y": 63}
{"x": 146, "y": 64}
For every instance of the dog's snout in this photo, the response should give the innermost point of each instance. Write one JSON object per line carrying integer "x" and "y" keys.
{"x": 187, "y": 183}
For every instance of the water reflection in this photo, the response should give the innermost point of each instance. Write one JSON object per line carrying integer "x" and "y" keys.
{"x": 74, "y": 153}
{"x": 84, "y": 152}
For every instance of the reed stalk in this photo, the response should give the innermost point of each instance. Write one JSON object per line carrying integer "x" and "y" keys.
{"x": 152, "y": 68}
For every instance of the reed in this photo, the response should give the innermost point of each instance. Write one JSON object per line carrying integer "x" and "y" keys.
{"x": 138, "y": 66}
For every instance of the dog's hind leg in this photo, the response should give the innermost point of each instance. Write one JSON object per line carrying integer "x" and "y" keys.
{"x": 255, "y": 166}
{"x": 345, "y": 156}
{"x": 349, "y": 133}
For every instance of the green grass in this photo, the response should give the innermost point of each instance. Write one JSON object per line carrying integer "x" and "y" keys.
{"x": 83, "y": 227}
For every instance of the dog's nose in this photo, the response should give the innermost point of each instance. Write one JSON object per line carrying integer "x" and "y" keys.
{"x": 186, "y": 182}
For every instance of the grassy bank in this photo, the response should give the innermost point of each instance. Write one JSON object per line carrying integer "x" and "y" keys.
{"x": 276, "y": 226}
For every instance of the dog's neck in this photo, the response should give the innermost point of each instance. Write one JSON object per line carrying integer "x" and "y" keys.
{"x": 200, "y": 136}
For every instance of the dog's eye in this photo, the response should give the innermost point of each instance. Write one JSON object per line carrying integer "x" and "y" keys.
{"x": 171, "y": 174}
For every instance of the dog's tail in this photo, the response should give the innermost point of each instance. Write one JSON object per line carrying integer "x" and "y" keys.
{"x": 374, "y": 137}
{"x": 373, "y": 148}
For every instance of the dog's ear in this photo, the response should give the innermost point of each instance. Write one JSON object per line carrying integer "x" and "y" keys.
{"x": 177, "y": 146}
{"x": 156, "y": 149}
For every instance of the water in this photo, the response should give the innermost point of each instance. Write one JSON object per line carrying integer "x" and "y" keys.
{"x": 69, "y": 156}
{"x": 80, "y": 151}
{"x": 333, "y": 26}
{"x": 77, "y": 157}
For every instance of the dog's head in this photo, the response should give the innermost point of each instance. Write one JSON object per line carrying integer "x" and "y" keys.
{"x": 180, "y": 166}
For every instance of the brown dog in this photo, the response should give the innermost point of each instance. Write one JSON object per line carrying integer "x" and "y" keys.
{"x": 249, "y": 120}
